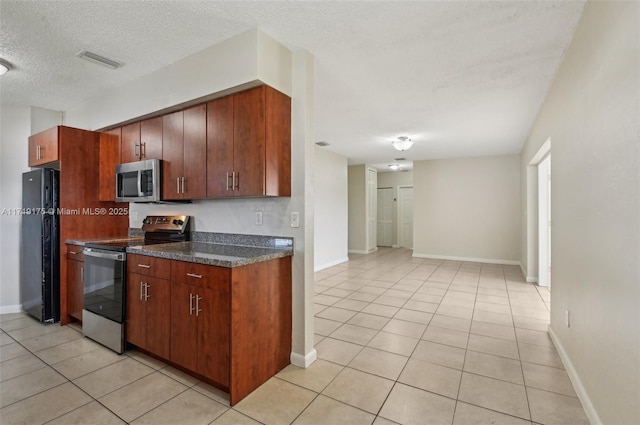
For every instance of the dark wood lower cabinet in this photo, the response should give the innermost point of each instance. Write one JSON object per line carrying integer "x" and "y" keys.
{"x": 148, "y": 313}
{"x": 230, "y": 327}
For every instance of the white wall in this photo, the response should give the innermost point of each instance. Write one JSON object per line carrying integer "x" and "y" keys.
{"x": 591, "y": 115}
{"x": 393, "y": 180}
{"x": 330, "y": 204}
{"x": 17, "y": 124}
{"x": 467, "y": 209}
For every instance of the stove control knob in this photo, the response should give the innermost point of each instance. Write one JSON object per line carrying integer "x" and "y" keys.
{"x": 178, "y": 222}
{"x": 146, "y": 221}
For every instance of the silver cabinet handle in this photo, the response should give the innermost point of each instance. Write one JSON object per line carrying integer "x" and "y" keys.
{"x": 72, "y": 252}
{"x": 227, "y": 181}
{"x": 141, "y": 295}
{"x": 82, "y": 274}
{"x": 182, "y": 180}
{"x": 38, "y": 152}
{"x": 234, "y": 181}
{"x": 146, "y": 291}
{"x": 144, "y": 266}
{"x": 143, "y": 149}
{"x": 177, "y": 184}
{"x": 190, "y": 303}
{"x": 137, "y": 149}
{"x": 199, "y": 276}
{"x": 198, "y": 310}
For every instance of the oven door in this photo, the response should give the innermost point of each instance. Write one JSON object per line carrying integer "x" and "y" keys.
{"x": 104, "y": 283}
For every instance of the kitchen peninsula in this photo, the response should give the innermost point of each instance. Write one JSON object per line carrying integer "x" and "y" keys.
{"x": 217, "y": 307}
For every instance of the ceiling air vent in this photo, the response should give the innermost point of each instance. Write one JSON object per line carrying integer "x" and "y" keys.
{"x": 322, "y": 143}
{"x": 400, "y": 159}
{"x": 100, "y": 60}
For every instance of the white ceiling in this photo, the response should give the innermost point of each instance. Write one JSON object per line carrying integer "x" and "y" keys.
{"x": 459, "y": 78}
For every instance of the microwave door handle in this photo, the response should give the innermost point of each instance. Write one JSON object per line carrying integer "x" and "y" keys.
{"x": 140, "y": 183}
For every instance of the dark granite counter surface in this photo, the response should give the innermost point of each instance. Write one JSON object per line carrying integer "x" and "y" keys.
{"x": 214, "y": 254}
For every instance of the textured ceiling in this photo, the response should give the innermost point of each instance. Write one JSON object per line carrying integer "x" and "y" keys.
{"x": 459, "y": 78}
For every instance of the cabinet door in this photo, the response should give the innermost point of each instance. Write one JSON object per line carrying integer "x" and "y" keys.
{"x": 75, "y": 288}
{"x": 249, "y": 141}
{"x": 219, "y": 147}
{"x": 158, "y": 303}
{"x": 195, "y": 152}
{"x": 136, "y": 311}
{"x": 43, "y": 147}
{"x": 110, "y": 151}
{"x": 172, "y": 155}
{"x": 151, "y": 138}
{"x": 213, "y": 332}
{"x": 184, "y": 326}
{"x": 130, "y": 142}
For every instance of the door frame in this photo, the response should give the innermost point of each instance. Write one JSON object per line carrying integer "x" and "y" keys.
{"x": 531, "y": 272}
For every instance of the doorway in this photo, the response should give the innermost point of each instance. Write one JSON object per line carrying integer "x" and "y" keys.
{"x": 544, "y": 222}
{"x": 405, "y": 216}
{"x": 385, "y": 216}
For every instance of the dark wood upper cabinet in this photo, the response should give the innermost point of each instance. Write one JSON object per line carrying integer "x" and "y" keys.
{"x": 43, "y": 147}
{"x": 110, "y": 156}
{"x": 142, "y": 140}
{"x": 256, "y": 133}
{"x": 184, "y": 166}
{"x": 219, "y": 147}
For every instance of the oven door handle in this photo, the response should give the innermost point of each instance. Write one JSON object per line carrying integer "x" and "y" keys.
{"x": 116, "y": 256}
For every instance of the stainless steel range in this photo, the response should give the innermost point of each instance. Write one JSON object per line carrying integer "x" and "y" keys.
{"x": 103, "y": 317}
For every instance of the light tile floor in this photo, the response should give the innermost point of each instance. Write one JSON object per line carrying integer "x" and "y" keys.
{"x": 399, "y": 340}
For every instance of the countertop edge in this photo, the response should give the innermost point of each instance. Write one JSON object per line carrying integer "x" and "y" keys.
{"x": 210, "y": 261}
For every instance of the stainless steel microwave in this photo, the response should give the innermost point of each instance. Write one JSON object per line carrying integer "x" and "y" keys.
{"x": 139, "y": 181}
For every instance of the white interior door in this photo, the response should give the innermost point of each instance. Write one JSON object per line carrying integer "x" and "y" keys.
{"x": 544, "y": 222}
{"x": 372, "y": 208}
{"x": 405, "y": 216}
{"x": 385, "y": 216}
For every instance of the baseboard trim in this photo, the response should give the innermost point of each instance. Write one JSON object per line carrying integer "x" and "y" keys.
{"x": 331, "y": 264}
{"x": 471, "y": 259}
{"x": 395, "y": 246}
{"x": 304, "y": 361}
{"x": 6, "y": 309}
{"x": 532, "y": 279}
{"x": 589, "y": 409}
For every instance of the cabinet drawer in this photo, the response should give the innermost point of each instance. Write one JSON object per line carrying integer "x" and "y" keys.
{"x": 148, "y": 266}
{"x": 198, "y": 274}
{"x": 74, "y": 252}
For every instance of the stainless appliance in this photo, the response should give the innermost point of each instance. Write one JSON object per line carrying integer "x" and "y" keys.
{"x": 105, "y": 278}
{"x": 39, "y": 251}
{"x": 139, "y": 181}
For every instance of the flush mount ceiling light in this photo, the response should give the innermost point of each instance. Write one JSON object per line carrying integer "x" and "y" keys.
{"x": 322, "y": 143}
{"x": 402, "y": 144}
{"x": 4, "y": 67}
{"x": 100, "y": 60}
{"x": 394, "y": 167}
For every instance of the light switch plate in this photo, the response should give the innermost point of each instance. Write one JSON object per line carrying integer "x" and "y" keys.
{"x": 295, "y": 219}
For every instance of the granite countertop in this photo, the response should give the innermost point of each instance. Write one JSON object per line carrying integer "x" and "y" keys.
{"x": 213, "y": 254}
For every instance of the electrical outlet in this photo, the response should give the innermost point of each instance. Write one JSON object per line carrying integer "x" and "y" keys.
{"x": 295, "y": 219}
{"x": 133, "y": 216}
{"x": 567, "y": 318}
{"x": 258, "y": 218}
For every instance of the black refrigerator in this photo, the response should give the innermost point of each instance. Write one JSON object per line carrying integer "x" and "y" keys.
{"x": 39, "y": 252}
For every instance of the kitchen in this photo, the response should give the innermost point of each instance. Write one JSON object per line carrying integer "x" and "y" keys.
{"x": 272, "y": 210}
